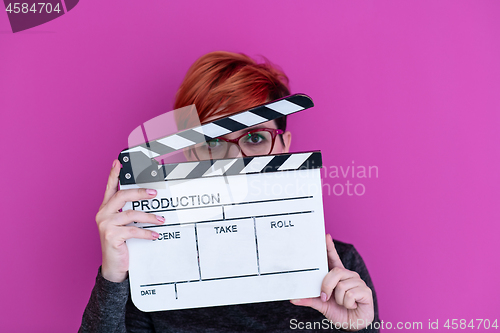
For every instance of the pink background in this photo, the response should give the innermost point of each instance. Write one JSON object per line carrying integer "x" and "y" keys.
{"x": 411, "y": 87}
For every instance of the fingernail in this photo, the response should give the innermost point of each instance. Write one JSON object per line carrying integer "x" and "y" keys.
{"x": 155, "y": 234}
{"x": 151, "y": 191}
{"x": 323, "y": 296}
{"x": 160, "y": 218}
{"x": 114, "y": 163}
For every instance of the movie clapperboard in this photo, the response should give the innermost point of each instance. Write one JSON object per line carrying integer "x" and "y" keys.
{"x": 237, "y": 230}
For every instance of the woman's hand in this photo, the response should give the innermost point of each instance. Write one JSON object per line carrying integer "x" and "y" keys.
{"x": 345, "y": 297}
{"x": 112, "y": 225}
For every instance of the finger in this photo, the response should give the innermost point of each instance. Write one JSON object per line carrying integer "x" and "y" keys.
{"x": 116, "y": 236}
{"x": 333, "y": 277}
{"x": 344, "y": 287}
{"x": 112, "y": 185}
{"x": 360, "y": 294}
{"x": 333, "y": 256}
{"x": 129, "y": 216}
{"x": 121, "y": 197}
{"x": 134, "y": 232}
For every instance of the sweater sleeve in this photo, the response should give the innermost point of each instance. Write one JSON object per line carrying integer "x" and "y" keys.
{"x": 105, "y": 311}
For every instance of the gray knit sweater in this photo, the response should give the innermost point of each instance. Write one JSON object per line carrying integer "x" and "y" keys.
{"x": 110, "y": 310}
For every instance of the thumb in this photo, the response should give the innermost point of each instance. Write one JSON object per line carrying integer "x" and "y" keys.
{"x": 112, "y": 185}
{"x": 333, "y": 256}
{"x": 315, "y": 303}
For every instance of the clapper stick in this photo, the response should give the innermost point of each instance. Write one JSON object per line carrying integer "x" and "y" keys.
{"x": 139, "y": 165}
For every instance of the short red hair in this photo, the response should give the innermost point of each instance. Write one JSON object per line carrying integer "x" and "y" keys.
{"x": 222, "y": 83}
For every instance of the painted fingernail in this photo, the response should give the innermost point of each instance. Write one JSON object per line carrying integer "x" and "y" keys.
{"x": 323, "y": 296}
{"x": 155, "y": 234}
{"x": 151, "y": 191}
{"x": 160, "y": 218}
{"x": 114, "y": 163}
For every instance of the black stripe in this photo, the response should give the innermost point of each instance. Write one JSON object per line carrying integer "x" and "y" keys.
{"x": 237, "y": 166}
{"x": 275, "y": 163}
{"x": 230, "y": 124}
{"x": 224, "y": 167}
{"x": 313, "y": 162}
{"x": 302, "y": 100}
{"x": 267, "y": 113}
{"x": 200, "y": 169}
{"x": 183, "y": 165}
{"x": 192, "y": 135}
{"x": 158, "y": 148}
{"x": 167, "y": 169}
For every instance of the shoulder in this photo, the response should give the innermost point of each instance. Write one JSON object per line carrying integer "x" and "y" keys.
{"x": 347, "y": 252}
{"x": 342, "y": 248}
{"x": 351, "y": 258}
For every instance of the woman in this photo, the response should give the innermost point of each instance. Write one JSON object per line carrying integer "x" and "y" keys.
{"x": 220, "y": 84}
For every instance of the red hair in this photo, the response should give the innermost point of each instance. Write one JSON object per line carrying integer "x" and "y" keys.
{"x": 222, "y": 83}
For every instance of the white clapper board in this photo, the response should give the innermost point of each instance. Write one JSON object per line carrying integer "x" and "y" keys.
{"x": 239, "y": 230}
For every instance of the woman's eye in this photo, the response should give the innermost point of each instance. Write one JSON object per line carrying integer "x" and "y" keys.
{"x": 255, "y": 138}
{"x": 212, "y": 143}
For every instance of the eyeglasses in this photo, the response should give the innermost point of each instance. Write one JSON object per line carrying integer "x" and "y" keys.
{"x": 259, "y": 141}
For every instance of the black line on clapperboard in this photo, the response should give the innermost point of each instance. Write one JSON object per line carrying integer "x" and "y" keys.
{"x": 197, "y": 251}
{"x": 230, "y": 277}
{"x": 268, "y": 200}
{"x": 175, "y": 287}
{"x": 229, "y": 204}
{"x": 229, "y": 219}
{"x": 165, "y": 283}
{"x": 294, "y": 271}
{"x": 256, "y": 245}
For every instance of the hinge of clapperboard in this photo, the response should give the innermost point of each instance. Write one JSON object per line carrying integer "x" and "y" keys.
{"x": 145, "y": 169}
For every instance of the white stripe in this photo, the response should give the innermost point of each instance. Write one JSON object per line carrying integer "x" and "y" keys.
{"x": 176, "y": 142}
{"x": 294, "y": 161}
{"x": 284, "y": 107}
{"x": 182, "y": 170}
{"x": 219, "y": 168}
{"x": 212, "y": 130}
{"x": 148, "y": 153}
{"x": 248, "y": 118}
{"x": 257, "y": 164}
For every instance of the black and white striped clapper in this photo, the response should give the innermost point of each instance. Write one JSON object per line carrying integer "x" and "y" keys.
{"x": 226, "y": 167}
{"x": 139, "y": 165}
